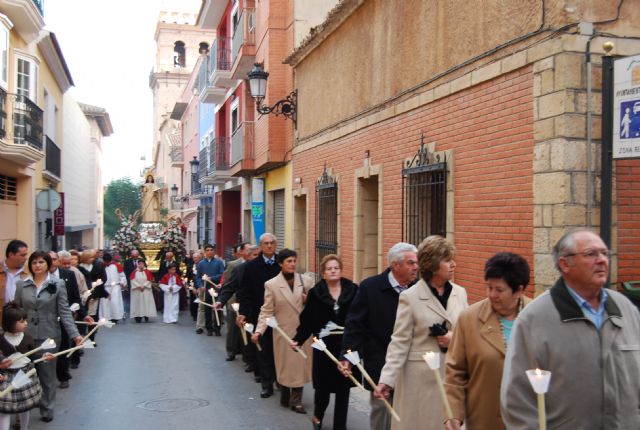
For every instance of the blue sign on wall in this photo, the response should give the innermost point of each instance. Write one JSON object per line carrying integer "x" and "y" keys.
{"x": 258, "y": 206}
{"x": 630, "y": 119}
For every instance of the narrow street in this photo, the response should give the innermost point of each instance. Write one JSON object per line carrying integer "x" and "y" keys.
{"x": 161, "y": 376}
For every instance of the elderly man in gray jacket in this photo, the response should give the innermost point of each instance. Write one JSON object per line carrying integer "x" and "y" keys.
{"x": 587, "y": 336}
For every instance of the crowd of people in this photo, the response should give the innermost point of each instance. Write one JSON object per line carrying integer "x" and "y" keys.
{"x": 586, "y": 335}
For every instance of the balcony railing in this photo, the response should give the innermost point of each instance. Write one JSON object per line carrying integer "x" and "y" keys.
{"x": 245, "y": 32}
{"x": 27, "y": 120}
{"x": 242, "y": 143}
{"x": 219, "y": 56}
{"x": 203, "y": 167}
{"x": 53, "y": 160}
{"x": 219, "y": 154}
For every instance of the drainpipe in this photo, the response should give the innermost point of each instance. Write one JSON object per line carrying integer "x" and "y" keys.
{"x": 589, "y": 133}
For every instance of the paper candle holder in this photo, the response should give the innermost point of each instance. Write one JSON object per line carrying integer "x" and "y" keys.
{"x": 539, "y": 380}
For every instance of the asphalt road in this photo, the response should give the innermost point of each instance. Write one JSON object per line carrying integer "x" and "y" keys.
{"x": 164, "y": 376}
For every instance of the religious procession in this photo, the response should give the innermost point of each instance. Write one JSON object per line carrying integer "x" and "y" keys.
{"x": 327, "y": 214}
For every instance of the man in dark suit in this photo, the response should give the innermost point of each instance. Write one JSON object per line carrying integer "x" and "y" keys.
{"x": 369, "y": 324}
{"x": 251, "y": 297}
{"x": 73, "y": 296}
{"x": 232, "y": 279}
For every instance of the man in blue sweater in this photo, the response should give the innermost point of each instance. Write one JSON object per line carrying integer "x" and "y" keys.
{"x": 213, "y": 267}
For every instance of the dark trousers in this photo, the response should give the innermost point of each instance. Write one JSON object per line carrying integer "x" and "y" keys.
{"x": 265, "y": 360}
{"x": 193, "y": 307}
{"x": 62, "y": 363}
{"x": 250, "y": 355}
{"x": 75, "y": 357}
{"x": 210, "y": 322}
{"x": 234, "y": 337}
{"x": 341, "y": 407}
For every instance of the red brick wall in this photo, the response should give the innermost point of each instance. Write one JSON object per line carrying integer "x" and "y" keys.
{"x": 490, "y": 129}
{"x": 628, "y": 201}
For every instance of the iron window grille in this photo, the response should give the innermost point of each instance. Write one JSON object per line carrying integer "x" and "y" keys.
{"x": 326, "y": 218}
{"x": 424, "y": 196}
{"x": 8, "y": 188}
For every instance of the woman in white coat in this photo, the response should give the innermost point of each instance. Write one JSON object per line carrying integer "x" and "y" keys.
{"x": 142, "y": 302}
{"x": 426, "y": 316}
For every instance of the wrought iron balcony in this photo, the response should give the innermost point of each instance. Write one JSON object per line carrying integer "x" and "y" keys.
{"x": 20, "y": 129}
{"x": 220, "y": 63}
{"x": 243, "y": 44}
{"x": 216, "y": 159}
{"x": 53, "y": 159}
{"x": 219, "y": 147}
{"x": 208, "y": 92}
{"x": 27, "y": 122}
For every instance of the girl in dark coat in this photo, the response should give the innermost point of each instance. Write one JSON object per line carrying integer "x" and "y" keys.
{"x": 328, "y": 301}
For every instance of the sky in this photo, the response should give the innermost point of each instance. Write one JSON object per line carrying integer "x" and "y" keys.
{"x": 110, "y": 50}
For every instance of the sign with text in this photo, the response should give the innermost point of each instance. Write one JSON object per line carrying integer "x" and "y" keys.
{"x": 58, "y": 218}
{"x": 626, "y": 108}
{"x": 257, "y": 206}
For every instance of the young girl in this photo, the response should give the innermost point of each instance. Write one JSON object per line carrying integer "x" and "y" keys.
{"x": 16, "y": 339}
{"x": 142, "y": 303}
{"x": 171, "y": 284}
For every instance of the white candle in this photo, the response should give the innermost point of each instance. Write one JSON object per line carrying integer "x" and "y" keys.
{"x": 539, "y": 380}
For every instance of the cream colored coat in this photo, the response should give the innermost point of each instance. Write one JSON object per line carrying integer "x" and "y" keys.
{"x": 292, "y": 370}
{"x": 416, "y": 396}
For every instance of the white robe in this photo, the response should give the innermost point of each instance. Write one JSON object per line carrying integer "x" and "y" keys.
{"x": 112, "y": 308}
{"x": 142, "y": 304}
{"x": 171, "y": 300}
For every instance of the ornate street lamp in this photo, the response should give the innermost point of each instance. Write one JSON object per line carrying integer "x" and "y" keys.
{"x": 195, "y": 164}
{"x": 174, "y": 191}
{"x": 258, "y": 85}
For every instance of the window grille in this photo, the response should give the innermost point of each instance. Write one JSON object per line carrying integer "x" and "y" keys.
{"x": 327, "y": 218}
{"x": 8, "y": 188}
{"x": 424, "y": 197}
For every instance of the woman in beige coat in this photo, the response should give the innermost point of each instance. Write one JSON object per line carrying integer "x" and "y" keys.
{"x": 284, "y": 298}
{"x": 473, "y": 371}
{"x": 431, "y": 304}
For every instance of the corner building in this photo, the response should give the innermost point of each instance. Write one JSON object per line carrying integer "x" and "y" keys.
{"x": 418, "y": 118}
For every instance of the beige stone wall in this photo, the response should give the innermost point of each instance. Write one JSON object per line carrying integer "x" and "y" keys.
{"x": 387, "y": 47}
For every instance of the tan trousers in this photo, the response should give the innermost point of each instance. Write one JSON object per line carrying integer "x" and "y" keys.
{"x": 380, "y": 417}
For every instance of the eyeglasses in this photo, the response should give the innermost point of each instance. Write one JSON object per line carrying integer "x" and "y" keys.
{"x": 592, "y": 254}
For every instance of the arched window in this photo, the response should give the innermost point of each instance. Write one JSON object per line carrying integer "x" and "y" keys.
{"x": 204, "y": 48}
{"x": 179, "y": 54}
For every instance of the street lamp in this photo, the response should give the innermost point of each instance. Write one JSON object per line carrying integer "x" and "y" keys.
{"x": 174, "y": 191}
{"x": 258, "y": 86}
{"x": 195, "y": 164}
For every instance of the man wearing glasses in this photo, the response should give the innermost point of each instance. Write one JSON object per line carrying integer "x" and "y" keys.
{"x": 587, "y": 336}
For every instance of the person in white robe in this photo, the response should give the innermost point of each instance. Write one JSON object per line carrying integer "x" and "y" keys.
{"x": 142, "y": 303}
{"x": 171, "y": 284}
{"x": 112, "y": 308}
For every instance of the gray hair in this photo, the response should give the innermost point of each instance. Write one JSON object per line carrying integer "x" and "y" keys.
{"x": 264, "y": 236}
{"x": 64, "y": 254}
{"x": 396, "y": 253}
{"x": 566, "y": 245}
{"x": 253, "y": 248}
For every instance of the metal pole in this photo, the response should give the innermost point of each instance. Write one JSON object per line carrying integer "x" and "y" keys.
{"x": 607, "y": 150}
